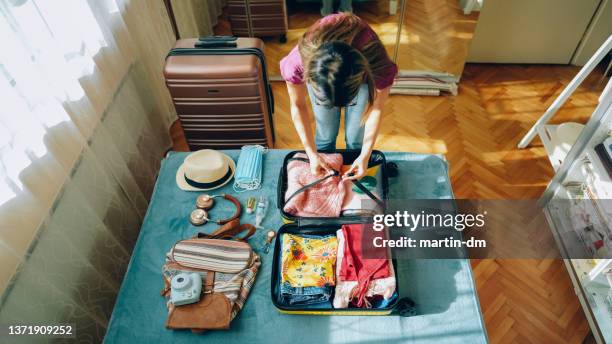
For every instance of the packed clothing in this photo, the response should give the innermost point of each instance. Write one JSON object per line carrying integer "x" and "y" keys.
{"x": 309, "y": 195}
{"x": 323, "y": 199}
{"x": 335, "y": 271}
{"x": 308, "y": 265}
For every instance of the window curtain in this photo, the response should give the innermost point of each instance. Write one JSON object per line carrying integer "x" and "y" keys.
{"x": 196, "y": 18}
{"x": 84, "y": 123}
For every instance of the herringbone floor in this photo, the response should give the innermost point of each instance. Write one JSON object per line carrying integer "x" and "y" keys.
{"x": 523, "y": 301}
{"x": 435, "y": 36}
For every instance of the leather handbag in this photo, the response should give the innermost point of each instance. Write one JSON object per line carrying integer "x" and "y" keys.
{"x": 226, "y": 282}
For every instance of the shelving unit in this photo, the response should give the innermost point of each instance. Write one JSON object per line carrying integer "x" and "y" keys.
{"x": 578, "y": 203}
{"x": 587, "y": 275}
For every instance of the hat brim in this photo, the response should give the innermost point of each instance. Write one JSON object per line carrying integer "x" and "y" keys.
{"x": 182, "y": 183}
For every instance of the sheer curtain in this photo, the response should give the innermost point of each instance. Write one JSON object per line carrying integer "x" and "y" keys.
{"x": 83, "y": 125}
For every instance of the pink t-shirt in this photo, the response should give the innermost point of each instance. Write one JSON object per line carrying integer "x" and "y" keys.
{"x": 292, "y": 68}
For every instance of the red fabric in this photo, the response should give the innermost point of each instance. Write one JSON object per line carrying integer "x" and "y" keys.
{"x": 357, "y": 268}
{"x": 320, "y": 200}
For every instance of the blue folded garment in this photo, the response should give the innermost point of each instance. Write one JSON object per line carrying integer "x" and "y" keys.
{"x": 384, "y": 303}
{"x": 297, "y": 296}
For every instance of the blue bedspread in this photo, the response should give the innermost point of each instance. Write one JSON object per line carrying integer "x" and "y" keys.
{"x": 443, "y": 290}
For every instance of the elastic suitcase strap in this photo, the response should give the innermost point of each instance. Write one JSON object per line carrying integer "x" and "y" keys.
{"x": 333, "y": 174}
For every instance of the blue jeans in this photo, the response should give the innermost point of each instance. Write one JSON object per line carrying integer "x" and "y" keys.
{"x": 328, "y": 121}
{"x": 295, "y": 296}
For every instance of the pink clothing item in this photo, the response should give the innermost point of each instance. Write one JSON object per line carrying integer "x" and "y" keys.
{"x": 321, "y": 200}
{"x": 355, "y": 267}
{"x": 345, "y": 290}
{"x": 292, "y": 68}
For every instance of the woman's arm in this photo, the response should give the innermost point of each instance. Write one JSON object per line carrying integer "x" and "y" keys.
{"x": 298, "y": 96}
{"x": 372, "y": 126}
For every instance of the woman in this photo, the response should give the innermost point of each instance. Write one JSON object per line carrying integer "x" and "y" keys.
{"x": 339, "y": 62}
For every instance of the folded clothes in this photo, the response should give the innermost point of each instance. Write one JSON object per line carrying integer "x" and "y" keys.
{"x": 307, "y": 269}
{"x": 323, "y": 199}
{"x": 354, "y": 266}
{"x": 308, "y": 260}
{"x": 356, "y": 202}
{"x": 361, "y": 282}
{"x": 300, "y": 296}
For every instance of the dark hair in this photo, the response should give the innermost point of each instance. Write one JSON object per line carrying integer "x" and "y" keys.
{"x": 342, "y": 69}
{"x": 335, "y": 72}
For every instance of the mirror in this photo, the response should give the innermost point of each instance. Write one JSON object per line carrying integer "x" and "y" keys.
{"x": 435, "y": 36}
{"x": 427, "y": 39}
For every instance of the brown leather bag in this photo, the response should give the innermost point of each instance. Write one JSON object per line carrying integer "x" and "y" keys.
{"x": 214, "y": 310}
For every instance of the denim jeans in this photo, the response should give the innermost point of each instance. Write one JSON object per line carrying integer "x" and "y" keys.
{"x": 328, "y": 121}
{"x": 297, "y": 296}
{"x": 328, "y": 6}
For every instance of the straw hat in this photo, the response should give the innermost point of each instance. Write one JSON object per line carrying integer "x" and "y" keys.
{"x": 205, "y": 169}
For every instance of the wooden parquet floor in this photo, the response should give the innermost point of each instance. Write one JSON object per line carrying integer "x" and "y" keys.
{"x": 523, "y": 301}
{"x": 435, "y": 36}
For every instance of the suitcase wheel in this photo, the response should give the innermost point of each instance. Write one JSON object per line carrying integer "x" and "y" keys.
{"x": 282, "y": 38}
{"x": 406, "y": 308}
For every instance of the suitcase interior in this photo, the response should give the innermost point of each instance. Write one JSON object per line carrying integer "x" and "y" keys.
{"x": 317, "y": 229}
{"x": 377, "y": 157}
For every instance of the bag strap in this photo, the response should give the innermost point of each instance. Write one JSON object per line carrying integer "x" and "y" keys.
{"x": 209, "y": 282}
{"x": 334, "y": 174}
{"x": 368, "y": 192}
{"x": 230, "y": 230}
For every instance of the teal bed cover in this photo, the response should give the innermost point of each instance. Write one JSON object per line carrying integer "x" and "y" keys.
{"x": 443, "y": 290}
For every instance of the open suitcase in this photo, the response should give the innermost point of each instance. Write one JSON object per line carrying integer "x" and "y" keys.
{"x": 219, "y": 86}
{"x": 328, "y": 226}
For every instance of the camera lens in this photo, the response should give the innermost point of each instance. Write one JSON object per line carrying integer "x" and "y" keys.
{"x": 180, "y": 282}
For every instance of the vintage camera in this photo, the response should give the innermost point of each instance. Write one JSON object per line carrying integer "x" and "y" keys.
{"x": 185, "y": 288}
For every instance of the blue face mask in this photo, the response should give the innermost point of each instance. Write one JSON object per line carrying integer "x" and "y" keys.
{"x": 249, "y": 168}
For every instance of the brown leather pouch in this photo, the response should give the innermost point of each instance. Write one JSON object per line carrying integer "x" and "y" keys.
{"x": 212, "y": 312}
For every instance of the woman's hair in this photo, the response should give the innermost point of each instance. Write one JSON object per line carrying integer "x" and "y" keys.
{"x": 335, "y": 69}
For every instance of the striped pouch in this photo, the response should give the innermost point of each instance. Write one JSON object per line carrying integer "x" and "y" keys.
{"x": 227, "y": 256}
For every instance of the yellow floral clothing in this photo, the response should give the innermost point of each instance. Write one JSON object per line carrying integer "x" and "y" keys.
{"x": 309, "y": 261}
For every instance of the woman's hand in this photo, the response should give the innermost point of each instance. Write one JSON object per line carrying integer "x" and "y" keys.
{"x": 358, "y": 169}
{"x": 318, "y": 166}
